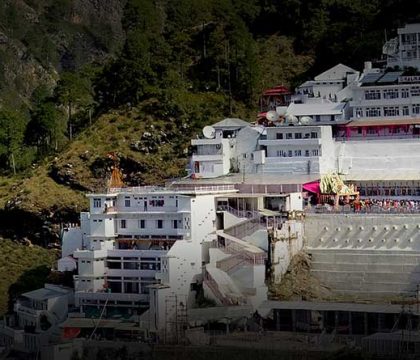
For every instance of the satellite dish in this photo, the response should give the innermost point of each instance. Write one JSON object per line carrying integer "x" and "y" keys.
{"x": 305, "y": 120}
{"x": 209, "y": 132}
{"x": 272, "y": 116}
{"x": 291, "y": 119}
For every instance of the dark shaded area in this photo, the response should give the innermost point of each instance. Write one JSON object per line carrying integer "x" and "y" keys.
{"x": 30, "y": 280}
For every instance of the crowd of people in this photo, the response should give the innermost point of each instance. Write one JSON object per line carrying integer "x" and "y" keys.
{"x": 369, "y": 205}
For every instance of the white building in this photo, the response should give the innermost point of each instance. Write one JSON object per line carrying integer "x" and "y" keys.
{"x": 36, "y": 317}
{"x": 404, "y": 51}
{"x": 320, "y": 111}
{"x": 298, "y": 150}
{"x": 227, "y": 144}
{"x": 331, "y": 85}
{"x": 134, "y": 233}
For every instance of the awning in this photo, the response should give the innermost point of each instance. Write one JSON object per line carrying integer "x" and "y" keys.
{"x": 383, "y": 122}
{"x": 312, "y": 187}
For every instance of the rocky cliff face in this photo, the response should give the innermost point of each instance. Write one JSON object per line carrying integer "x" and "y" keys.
{"x": 39, "y": 38}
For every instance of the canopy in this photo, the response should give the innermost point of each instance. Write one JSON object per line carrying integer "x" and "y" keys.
{"x": 312, "y": 187}
{"x": 333, "y": 184}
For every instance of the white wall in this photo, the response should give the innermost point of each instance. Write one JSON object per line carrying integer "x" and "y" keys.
{"x": 72, "y": 240}
{"x": 289, "y": 241}
{"x": 203, "y": 218}
{"x": 378, "y": 156}
{"x": 370, "y": 232}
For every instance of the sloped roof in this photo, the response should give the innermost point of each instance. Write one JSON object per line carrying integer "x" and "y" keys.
{"x": 231, "y": 123}
{"x": 326, "y": 108}
{"x": 336, "y": 72}
{"x": 42, "y": 294}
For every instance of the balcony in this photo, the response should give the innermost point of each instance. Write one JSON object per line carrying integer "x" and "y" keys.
{"x": 104, "y": 296}
{"x": 281, "y": 142}
{"x": 130, "y": 272}
{"x": 26, "y": 308}
{"x": 209, "y": 157}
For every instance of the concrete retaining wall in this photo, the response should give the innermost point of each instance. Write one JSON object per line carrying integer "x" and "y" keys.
{"x": 365, "y": 255}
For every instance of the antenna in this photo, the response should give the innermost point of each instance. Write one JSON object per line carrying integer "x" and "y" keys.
{"x": 272, "y": 115}
{"x": 209, "y": 132}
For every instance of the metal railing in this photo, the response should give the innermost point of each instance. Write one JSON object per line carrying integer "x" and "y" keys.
{"x": 249, "y": 214}
{"x": 363, "y": 210}
{"x": 225, "y": 300}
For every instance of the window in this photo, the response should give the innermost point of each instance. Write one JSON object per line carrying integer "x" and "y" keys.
{"x": 405, "y": 111}
{"x": 314, "y": 135}
{"x": 371, "y": 131}
{"x": 372, "y": 94}
{"x": 279, "y": 136}
{"x": 298, "y": 152}
{"x": 315, "y": 152}
{"x": 317, "y": 118}
{"x": 142, "y": 224}
{"x": 159, "y": 224}
{"x": 390, "y": 93}
{"x": 176, "y": 224}
{"x": 97, "y": 203}
{"x": 332, "y": 118}
{"x": 280, "y": 153}
{"x": 289, "y": 136}
{"x": 306, "y": 152}
{"x": 415, "y": 91}
{"x": 359, "y": 112}
{"x": 298, "y": 135}
{"x": 391, "y": 111}
{"x": 123, "y": 224}
{"x": 405, "y": 93}
{"x": 416, "y": 109}
{"x": 373, "y": 111}
{"x": 290, "y": 153}
{"x": 127, "y": 202}
{"x": 157, "y": 203}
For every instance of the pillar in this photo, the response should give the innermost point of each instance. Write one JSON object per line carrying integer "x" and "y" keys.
{"x": 277, "y": 314}
{"x": 294, "y": 320}
{"x": 365, "y": 321}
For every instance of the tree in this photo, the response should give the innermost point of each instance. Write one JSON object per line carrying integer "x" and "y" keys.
{"x": 75, "y": 92}
{"x": 46, "y": 128}
{"x": 12, "y": 128}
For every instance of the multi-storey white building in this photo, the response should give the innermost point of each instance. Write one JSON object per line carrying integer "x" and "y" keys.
{"x": 129, "y": 235}
{"x": 404, "y": 50}
{"x": 298, "y": 149}
{"x": 332, "y": 84}
{"x": 224, "y": 149}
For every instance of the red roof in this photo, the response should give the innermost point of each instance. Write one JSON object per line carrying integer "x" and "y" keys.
{"x": 277, "y": 90}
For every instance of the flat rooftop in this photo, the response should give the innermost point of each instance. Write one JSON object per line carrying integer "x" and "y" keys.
{"x": 257, "y": 179}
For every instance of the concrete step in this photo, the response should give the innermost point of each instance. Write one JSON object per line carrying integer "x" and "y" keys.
{"x": 351, "y": 258}
{"x": 396, "y": 289}
{"x": 374, "y": 267}
{"x": 367, "y": 277}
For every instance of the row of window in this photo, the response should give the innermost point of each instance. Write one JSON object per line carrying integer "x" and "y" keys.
{"x": 392, "y": 93}
{"x": 297, "y": 153}
{"x": 388, "y": 111}
{"x": 297, "y": 135}
{"x": 141, "y": 224}
{"x": 156, "y": 201}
